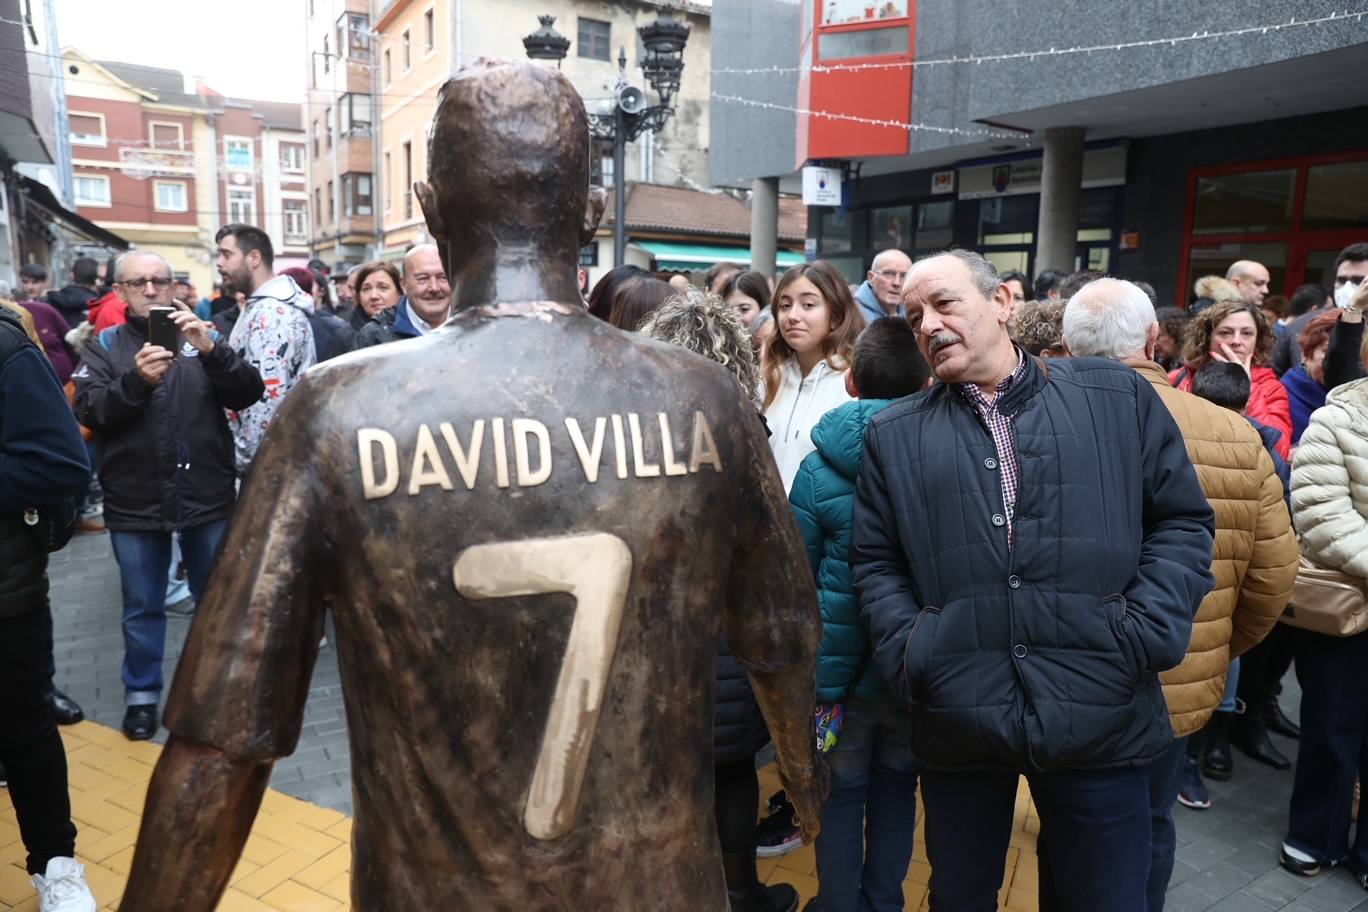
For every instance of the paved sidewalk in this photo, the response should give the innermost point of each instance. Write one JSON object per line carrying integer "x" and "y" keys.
{"x": 1227, "y": 856}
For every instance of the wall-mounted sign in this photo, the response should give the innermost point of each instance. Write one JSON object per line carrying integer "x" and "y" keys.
{"x": 821, "y": 186}
{"x": 1101, "y": 168}
{"x": 943, "y": 182}
{"x": 1130, "y": 240}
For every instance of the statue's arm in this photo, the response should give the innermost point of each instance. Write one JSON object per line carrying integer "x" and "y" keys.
{"x": 199, "y": 811}
{"x": 774, "y": 626}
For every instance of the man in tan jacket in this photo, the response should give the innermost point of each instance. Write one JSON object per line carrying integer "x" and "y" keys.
{"x": 1255, "y": 552}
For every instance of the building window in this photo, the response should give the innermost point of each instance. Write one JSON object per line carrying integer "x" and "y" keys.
{"x": 332, "y": 205}
{"x": 354, "y": 111}
{"x": 315, "y": 138}
{"x": 295, "y": 221}
{"x": 166, "y": 135}
{"x": 387, "y": 178}
{"x": 238, "y": 154}
{"x": 358, "y": 36}
{"x": 318, "y": 207}
{"x": 387, "y": 66}
{"x": 356, "y": 194}
{"x": 241, "y": 206}
{"x": 408, "y": 180}
{"x": 92, "y": 190}
{"x": 87, "y": 129}
{"x": 404, "y": 44}
{"x": 171, "y": 196}
{"x": 328, "y": 125}
{"x": 291, "y": 157}
{"x": 429, "y": 32}
{"x": 327, "y": 55}
{"x": 594, "y": 38}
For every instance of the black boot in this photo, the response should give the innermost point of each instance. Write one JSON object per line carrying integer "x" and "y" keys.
{"x": 1216, "y": 760}
{"x": 745, "y": 891}
{"x": 1275, "y": 720}
{"x": 1250, "y": 735}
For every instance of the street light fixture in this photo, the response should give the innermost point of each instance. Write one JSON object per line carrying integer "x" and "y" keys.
{"x": 663, "y": 65}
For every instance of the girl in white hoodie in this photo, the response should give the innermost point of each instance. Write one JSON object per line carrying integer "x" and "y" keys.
{"x": 805, "y": 363}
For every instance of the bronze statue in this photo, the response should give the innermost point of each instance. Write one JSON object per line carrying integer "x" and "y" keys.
{"x": 526, "y": 524}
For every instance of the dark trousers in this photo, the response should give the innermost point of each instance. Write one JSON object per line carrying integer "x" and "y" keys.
{"x": 1262, "y": 668}
{"x": 1333, "y": 750}
{"x": 1094, "y": 829}
{"x": 736, "y": 797}
{"x": 30, "y": 748}
{"x": 1165, "y": 776}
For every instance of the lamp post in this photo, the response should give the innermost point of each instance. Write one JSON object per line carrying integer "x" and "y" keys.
{"x": 630, "y": 116}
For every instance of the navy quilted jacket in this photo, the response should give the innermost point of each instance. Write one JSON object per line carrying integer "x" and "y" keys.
{"x": 823, "y": 499}
{"x": 1044, "y": 654}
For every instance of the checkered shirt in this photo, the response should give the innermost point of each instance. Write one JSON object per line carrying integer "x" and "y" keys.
{"x": 1004, "y": 434}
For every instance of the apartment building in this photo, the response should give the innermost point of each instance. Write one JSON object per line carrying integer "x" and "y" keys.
{"x": 339, "y": 119}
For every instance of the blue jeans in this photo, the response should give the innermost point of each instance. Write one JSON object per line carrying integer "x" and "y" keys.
{"x": 1094, "y": 823}
{"x": 1232, "y": 684}
{"x": 144, "y": 560}
{"x": 866, "y": 841}
{"x": 1165, "y": 776}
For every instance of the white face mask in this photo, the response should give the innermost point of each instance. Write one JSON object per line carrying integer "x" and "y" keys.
{"x": 1344, "y": 294}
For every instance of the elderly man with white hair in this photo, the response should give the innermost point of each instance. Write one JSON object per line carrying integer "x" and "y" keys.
{"x": 881, "y": 293}
{"x": 1254, "y": 558}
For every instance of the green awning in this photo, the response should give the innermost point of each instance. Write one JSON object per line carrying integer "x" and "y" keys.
{"x": 694, "y": 257}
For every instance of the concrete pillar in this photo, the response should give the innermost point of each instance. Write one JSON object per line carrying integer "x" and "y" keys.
{"x": 764, "y": 224}
{"x": 1061, "y": 179}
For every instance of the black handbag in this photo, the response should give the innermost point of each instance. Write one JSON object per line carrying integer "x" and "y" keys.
{"x": 52, "y": 526}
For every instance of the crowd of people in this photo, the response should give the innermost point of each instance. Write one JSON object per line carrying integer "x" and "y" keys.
{"x": 1052, "y": 529}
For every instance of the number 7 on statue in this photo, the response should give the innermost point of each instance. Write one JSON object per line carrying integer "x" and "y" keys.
{"x": 595, "y": 569}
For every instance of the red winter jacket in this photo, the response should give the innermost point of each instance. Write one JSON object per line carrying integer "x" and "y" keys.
{"x": 106, "y": 311}
{"x": 1267, "y": 402}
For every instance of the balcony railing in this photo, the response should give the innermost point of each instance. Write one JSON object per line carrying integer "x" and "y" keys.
{"x": 143, "y": 163}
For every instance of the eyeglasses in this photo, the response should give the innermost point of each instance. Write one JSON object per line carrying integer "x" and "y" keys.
{"x": 158, "y": 282}
{"x": 891, "y": 276}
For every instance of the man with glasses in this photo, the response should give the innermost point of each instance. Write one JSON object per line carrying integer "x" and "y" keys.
{"x": 165, "y": 456}
{"x": 881, "y": 293}
{"x": 424, "y": 306}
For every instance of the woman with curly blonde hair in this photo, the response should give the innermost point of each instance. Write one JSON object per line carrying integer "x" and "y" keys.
{"x": 805, "y": 363}
{"x": 1238, "y": 333}
{"x": 699, "y": 321}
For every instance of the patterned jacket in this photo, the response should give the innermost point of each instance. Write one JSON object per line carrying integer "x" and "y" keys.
{"x": 274, "y": 336}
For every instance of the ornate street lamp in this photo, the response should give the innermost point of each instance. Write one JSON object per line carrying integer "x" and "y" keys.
{"x": 663, "y": 65}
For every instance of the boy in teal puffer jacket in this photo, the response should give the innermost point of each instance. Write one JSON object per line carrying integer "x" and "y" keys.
{"x": 873, "y": 769}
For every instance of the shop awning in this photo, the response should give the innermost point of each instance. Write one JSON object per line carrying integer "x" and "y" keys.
{"x": 692, "y": 257}
{"x": 74, "y": 222}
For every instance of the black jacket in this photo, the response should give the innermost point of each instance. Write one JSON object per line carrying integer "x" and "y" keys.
{"x": 42, "y": 460}
{"x": 1044, "y": 654}
{"x": 165, "y": 452}
{"x": 73, "y": 302}
{"x": 738, "y": 728}
{"x": 333, "y": 336}
{"x": 389, "y": 325}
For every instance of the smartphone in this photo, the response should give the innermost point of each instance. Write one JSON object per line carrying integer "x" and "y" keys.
{"x": 160, "y": 330}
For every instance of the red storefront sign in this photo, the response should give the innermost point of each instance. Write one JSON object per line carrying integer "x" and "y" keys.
{"x": 857, "y": 58}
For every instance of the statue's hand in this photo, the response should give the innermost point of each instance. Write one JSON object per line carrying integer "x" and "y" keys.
{"x": 807, "y": 792}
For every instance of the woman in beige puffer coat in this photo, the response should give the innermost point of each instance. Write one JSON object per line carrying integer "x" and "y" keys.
{"x": 1330, "y": 511}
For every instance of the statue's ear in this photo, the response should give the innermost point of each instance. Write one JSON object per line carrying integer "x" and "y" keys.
{"x": 593, "y": 213}
{"x": 427, "y": 200}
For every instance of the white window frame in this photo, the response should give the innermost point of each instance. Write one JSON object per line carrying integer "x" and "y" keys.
{"x": 429, "y": 32}
{"x": 152, "y": 133}
{"x": 106, "y": 203}
{"x": 156, "y": 198}
{"x": 251, "y": 202}
{"x": 406, "y": 45}
{"x": 251, "y": 153}
{"x": 389, "y": 72}
{"x": 289, "y": 149}
{"x": 287, "y": 212}
{"x": 386, "y": 181}
{"x": 101, "y": 141}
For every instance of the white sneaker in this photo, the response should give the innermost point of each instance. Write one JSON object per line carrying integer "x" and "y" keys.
{"x": 62, "y": 888}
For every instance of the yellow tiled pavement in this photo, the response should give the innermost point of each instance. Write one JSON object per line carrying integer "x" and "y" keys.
{"x": 298, "y": 858}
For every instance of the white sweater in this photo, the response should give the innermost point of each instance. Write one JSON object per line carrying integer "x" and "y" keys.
{"x": 1330, "y": 482}
{"x": 799, "y": 405}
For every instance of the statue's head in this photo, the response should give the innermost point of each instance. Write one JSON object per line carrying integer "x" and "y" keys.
{"x": 508, "y": 161}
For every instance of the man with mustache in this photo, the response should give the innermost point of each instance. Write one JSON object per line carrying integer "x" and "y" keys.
{"x": 1030, "y": 545}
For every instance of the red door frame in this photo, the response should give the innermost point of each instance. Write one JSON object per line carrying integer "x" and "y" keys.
{"x": 1299, "y": 243}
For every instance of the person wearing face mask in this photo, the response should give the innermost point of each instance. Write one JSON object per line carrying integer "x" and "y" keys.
{"x": 1342, "y": 363}
{"x": 805, "y": 362}
{"x": 424, "y": 306}
{"x": 1236, "y": 331}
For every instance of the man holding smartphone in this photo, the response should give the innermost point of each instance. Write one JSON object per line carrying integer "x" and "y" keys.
{"x": 154, "y": 391}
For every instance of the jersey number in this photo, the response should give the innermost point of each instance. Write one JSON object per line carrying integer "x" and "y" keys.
{"x": 595, "y": 569}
